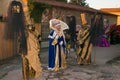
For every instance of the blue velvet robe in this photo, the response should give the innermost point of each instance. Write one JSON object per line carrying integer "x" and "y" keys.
{"x": 52, "y": 50}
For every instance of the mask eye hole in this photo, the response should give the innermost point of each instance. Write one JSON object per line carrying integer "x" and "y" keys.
{"x": 16, "y": 9}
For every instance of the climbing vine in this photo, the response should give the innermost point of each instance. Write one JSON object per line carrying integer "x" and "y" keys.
{"x": 36, "y": 9}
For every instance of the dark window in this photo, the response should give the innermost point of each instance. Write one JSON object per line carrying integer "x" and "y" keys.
{"x": 45, "y": 30}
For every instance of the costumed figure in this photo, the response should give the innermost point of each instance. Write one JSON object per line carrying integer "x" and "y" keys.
{"x": 24, "y": 40}
{"x": 104, "y": 38}
{"x": 84, "y": 46}
{"x": 57, "y": 45}
{"x": 96, "y": 31}
{"x": 114, "y": 34}
{"x": 15, "y": 27}
{"x": 88, "y": 37}
{"x": 104, "y": 41}
{"x": 68, "y": 43}
{"x": 33, "y": 66}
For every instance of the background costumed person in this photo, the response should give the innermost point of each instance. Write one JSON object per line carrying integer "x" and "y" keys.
{"x": 88, "y": 37}
{"x": 104, "y": 38}
{"x": 57, "y": 45}
{"x": 84, "y": 46}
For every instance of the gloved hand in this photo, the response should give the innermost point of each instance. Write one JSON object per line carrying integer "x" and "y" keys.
{"x": 61, "y": 42}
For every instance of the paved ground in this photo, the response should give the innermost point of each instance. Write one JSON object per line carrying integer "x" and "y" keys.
{"x": 106, "y": 67}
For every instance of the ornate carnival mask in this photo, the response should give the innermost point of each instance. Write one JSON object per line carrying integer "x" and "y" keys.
{"x": 16, "y": 9}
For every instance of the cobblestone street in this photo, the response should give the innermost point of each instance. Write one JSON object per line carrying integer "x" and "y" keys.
{"x": 11, "y": 69}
